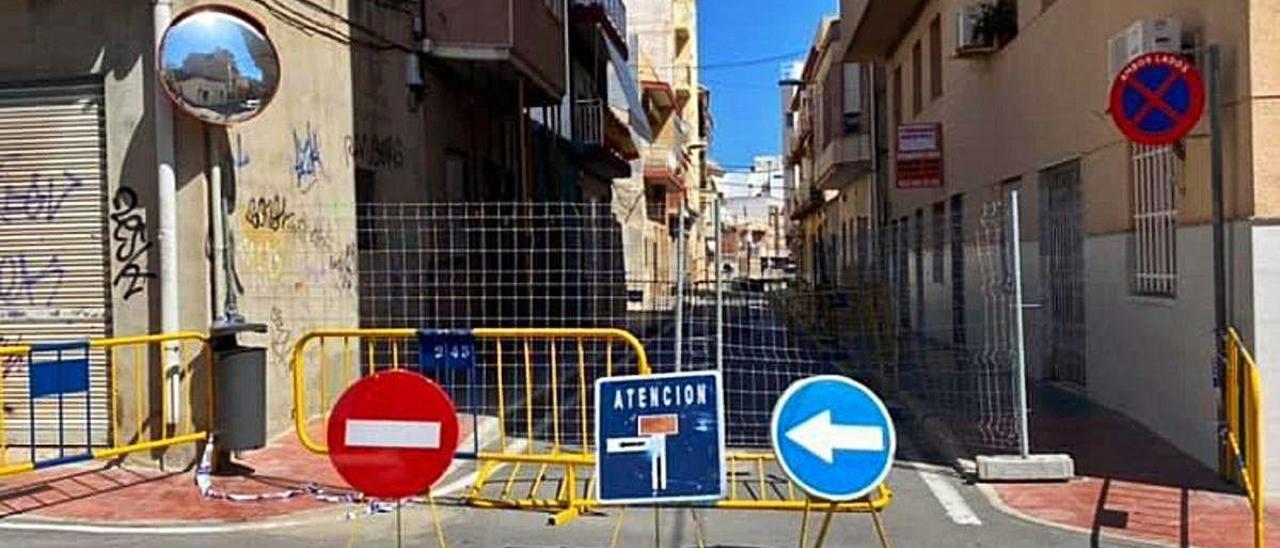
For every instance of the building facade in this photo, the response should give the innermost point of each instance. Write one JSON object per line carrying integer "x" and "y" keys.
{"x": 380, "y": 104}
{"x": 1116, "y": 237}
{"x": 827, "y": 138}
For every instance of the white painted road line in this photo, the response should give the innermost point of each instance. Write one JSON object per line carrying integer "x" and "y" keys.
{"x": 935, "y": 479}
{"x": 955, "y": 506}
{"x": 393, "y": 434}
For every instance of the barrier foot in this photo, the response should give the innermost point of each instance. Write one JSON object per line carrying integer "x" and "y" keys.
{"x": 564, "y": 516}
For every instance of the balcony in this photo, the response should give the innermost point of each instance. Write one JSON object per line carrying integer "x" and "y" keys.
{"x": 665, "y": 166}
{"x": 611, "y": 15}
{"x": 523, "y": 39}
{"x": 843, "y": 161}
{"x": 808, "y": 202}
{"x": 603, "y": 140}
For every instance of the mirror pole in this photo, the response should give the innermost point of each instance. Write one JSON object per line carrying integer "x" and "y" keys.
{"x": 167, "y": 198}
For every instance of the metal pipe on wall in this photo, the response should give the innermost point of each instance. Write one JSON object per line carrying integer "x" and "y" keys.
{"x": 167, "y": 205}
{"x": 217, "y": 224}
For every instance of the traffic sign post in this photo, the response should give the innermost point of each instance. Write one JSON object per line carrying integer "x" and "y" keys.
{"x": 1157, "y": 98}
{"x": 833, "y": 437}
{"x": 660, "y": 438}
{"x": 393, "y": 434}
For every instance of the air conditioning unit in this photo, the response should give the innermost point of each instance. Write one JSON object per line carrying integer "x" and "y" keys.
{"x": 968, "y": 42}
{"x": 1142, "y": 37}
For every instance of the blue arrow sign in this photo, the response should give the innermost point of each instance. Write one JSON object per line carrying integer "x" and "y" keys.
{"x": 833, "y": 437}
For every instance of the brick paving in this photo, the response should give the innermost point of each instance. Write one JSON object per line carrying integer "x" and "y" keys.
{"x": 1130, "y": 482}
{"x": 103, "y": 494}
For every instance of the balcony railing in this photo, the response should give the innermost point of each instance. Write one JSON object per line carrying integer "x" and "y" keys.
{"x": 662, "y": 157}
{"x": 614, "y": 10}
{"x": 588, "y": 122}
{"x": 843, "y": 160}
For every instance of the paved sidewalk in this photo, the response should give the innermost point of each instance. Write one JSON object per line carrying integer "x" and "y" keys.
{"x": 1130, "y": 482}
{"x": 101, "y": 494}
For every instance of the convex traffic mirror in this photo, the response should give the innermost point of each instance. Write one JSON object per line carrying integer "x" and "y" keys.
{"x": 218, "y": 65}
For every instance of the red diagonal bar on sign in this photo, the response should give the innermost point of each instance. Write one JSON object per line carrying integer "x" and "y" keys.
{"x": 1155, "y": 99}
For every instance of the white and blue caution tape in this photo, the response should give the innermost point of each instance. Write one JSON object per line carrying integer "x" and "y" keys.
{"x": 204, "y": 482}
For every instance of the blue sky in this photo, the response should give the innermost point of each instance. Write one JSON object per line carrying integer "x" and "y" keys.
{"x": 196, "y": 37}
{"x": 745, "y": 100}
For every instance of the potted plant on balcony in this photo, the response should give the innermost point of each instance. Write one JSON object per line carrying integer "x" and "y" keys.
{"x": 997, "y": 22}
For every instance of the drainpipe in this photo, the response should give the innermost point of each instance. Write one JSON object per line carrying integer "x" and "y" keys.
{"x": 167, "y": 198}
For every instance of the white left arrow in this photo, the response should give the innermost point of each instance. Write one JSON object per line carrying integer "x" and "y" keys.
{"x": 818, "y": 435}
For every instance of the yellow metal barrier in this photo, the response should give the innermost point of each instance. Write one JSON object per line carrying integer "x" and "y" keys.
{"x": 1243, "y": 380}
{"x": 536, "y": 383}
{"x": 140, "y": 425}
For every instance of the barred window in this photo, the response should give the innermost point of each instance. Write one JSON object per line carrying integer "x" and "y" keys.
{"x": 939, "y": 239}
{"x": 1155, "y": 176}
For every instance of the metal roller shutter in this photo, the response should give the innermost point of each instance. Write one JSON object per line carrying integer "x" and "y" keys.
{"x": 53, "y": 249}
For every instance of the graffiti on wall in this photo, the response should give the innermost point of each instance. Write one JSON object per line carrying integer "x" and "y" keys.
{"x": 281, "y": 336}
{"x": 372, "y": 151}
{"x": 39, "y": 200}
{"x": 24, "y": 280}
{"x": 269, "y": 213}
{"x": 308, "y": 162}
{"x": 129, "y": 236}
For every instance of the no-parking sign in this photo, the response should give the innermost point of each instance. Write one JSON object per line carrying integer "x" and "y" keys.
{"x": 1157, "y": 98}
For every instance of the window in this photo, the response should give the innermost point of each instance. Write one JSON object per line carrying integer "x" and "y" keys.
{"x": 897, "y": 98}
{"x": 852, "y": 97}
{"x": 919, "y": 246}
{"x": 833, "y": 93}
{"x": 917, "y": 80}
{"x": 939, "y": 223}
{"x": 864, "y": 240}
{"x": 935, "y": 58}
{"x": 1155, "y": 177}
{"x": 957, "y": 271}
{"x": 455, "y": 176}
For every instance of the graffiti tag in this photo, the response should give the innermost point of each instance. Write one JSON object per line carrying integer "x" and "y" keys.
{"x": 308, "y": 162}
{"x": 21, "y": 280}
{"x": 269, "y": 213}
{"x": 39, "y": 200}
{"x": 375, "y": 151}
{"x": 131, "y": 244}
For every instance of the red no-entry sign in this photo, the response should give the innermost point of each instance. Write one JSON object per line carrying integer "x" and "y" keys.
{"x": 393, "y": 435}
{"x": 1157, "y": 99}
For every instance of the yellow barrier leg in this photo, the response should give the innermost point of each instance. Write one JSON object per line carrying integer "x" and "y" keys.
{"x": 884, "y": 539}
{"x": 699, "y": 534}
{"x": 826, "y": 526}
{"x": 617, "y": 528}
{"x": 804, "y": 525}
{"x": 435, "y": 519}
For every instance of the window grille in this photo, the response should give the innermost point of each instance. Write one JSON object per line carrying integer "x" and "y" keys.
{"x": 1155, "y": 176}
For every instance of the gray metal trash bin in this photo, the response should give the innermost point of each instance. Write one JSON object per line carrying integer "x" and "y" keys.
{"x": 239, "y": 387}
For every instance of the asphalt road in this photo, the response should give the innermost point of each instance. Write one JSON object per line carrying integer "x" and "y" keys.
{"x": 932, "y": 507}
